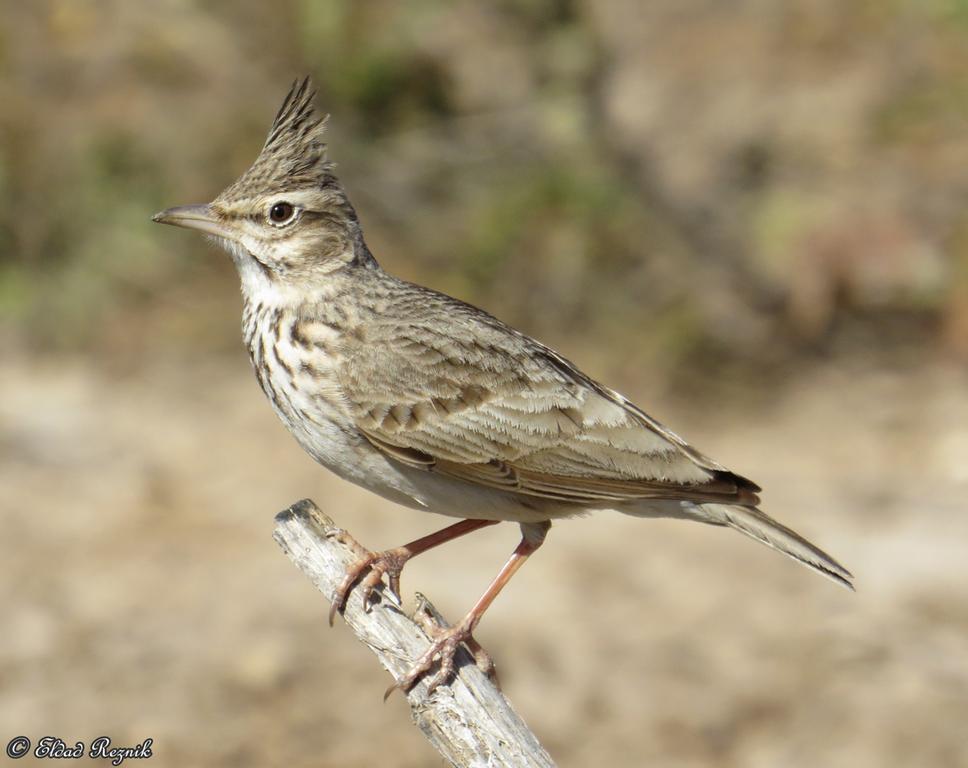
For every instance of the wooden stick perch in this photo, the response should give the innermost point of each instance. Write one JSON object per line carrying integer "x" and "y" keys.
{"x": 469, "y": 722}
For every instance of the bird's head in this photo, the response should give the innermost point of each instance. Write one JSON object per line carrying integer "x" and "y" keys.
{"x": 286, "y": 220}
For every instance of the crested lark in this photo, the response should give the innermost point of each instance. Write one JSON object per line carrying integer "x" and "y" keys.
{"x": 431, "y": 402}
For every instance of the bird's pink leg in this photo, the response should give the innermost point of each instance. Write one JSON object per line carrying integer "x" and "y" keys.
{"x": 368, "y": 570}
{"x": 446, "y": 641}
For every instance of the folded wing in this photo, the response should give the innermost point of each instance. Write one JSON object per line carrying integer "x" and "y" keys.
{"x": 476, "y": 400}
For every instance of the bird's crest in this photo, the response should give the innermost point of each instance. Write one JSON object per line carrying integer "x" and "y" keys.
{"x": 294, "y": 154}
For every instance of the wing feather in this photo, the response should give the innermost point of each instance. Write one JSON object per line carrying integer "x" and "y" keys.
{"x": 471, "y": 398}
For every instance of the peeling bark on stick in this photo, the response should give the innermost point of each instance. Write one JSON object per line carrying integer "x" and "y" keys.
{"x": 469, "y": 722}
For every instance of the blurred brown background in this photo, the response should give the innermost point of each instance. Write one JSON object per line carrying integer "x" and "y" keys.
{"x": 750, "y": 217}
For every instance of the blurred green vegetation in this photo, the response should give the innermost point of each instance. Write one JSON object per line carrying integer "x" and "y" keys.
{"x": 754, "y": 183}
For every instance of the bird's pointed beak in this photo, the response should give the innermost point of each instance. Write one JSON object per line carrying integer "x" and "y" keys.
{"x": 200, "y": 217}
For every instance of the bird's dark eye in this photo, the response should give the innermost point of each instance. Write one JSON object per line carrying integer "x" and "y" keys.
{"x": 280, "y": 213}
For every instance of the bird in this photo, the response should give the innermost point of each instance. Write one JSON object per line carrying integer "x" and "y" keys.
{"x": 433, "y": 403}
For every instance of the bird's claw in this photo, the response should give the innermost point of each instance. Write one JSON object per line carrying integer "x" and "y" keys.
{"x": 483, "y": 660}
{"x": 445, "y": 643}
{"x": 368, "y": 572}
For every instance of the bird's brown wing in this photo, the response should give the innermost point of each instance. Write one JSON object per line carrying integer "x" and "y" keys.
{"x": 473, "y": 399}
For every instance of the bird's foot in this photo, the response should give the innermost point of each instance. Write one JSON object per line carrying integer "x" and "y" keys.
{"x": 430, "y": 621}
{"x": 445, "y": 643}
{"x": 368, "y": 572}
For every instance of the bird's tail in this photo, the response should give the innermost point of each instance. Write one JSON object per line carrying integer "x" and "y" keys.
{"x": 760, "y": 526}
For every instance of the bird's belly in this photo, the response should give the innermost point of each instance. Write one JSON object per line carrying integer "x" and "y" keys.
{"x": 355, "y": 460}
{"x": 457, "y": 498}
{"x": 327, "y": 434}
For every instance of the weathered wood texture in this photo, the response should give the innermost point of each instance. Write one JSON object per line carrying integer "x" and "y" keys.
{"x": 469, "y": 722}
